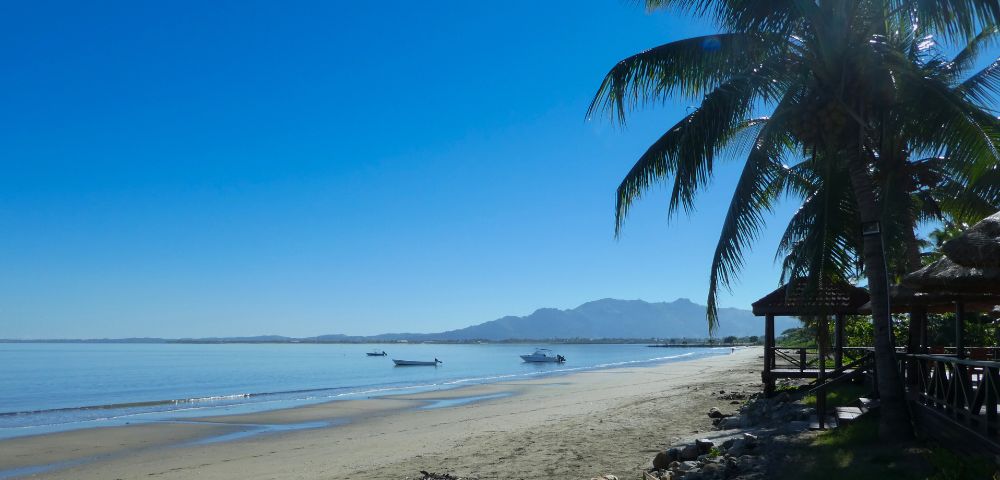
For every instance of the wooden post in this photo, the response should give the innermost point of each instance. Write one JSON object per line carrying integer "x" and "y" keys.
{"x": 768, "y": 355}
{"x": 821, "y": 394}
{"x": 914, "y": 344}
{"x": 989, "y": 382}
{"x": 838, "y": 336}
{"x": 913, "y": 332}
{"x": 960, "y": 329}
{"x": 924, "y": 342}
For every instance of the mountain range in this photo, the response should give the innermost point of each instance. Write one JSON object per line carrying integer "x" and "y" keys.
{"x": 600, "y": 319}
{"x": 609, "y": 318}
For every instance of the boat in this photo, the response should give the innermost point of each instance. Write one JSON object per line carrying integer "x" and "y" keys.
{"x": 413, "y": 363}
{"x": 543, "y": 355}
{"x": 376, "y": 353}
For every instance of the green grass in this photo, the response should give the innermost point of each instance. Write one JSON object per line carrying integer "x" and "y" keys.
{"x": 842, "y": 395}
{"x": 855, "y": 452}
{"x": 949, "y": 466}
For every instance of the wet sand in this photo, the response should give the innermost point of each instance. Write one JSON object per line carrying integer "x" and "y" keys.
{"x": 571, "y": 426}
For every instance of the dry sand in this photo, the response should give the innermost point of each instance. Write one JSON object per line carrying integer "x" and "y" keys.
{"x": 561, "y": 427}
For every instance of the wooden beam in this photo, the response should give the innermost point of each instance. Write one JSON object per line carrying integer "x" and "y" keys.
{"x": 838, "y": 336}
{"x": 960, "y": 329}
{"x": 824, "y": 335}
{"x": 768, "y": 355}
{"x": 914, "y": 342}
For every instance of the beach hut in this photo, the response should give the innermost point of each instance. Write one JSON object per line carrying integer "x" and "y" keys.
{"x": 966, "y": 280}
{"x": 955, "y": 396}
{"x": 799, "y": 299}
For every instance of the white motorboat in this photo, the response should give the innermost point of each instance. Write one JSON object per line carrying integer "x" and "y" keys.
{"x": 413, "y": 363}
{"x": 543, "y": 355}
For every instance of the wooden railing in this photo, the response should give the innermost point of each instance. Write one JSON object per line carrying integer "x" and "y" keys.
{"x": 966, "y": 392}
{"x": 804, "y": 358}
{"x": 849, "y": 372}
{"x": 972, "y": 353}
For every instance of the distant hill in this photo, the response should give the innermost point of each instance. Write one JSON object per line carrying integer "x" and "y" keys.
{"x": 609, "y": 318}
{"x": 601, "y": 319}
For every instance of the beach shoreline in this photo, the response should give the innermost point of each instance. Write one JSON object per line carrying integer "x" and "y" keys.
{"x": 587, "y": 423}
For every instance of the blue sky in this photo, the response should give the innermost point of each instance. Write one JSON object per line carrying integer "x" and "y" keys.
{"x": 302, "y": 168}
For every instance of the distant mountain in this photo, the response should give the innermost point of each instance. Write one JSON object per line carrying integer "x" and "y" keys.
{"x": 601, "y": 319}
{"x": 609, "y": 318}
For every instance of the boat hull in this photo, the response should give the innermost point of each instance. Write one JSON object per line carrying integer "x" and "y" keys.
{"x": 413, "y": 363}
{"x": 540, "y": 359}
{"x": 375, "y": 354}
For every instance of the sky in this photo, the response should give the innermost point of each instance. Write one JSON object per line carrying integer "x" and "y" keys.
{"x": 191, "y": 169}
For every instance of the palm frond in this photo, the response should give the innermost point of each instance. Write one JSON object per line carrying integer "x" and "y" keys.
{"x": 751, "y": 199}
{"x": 983, "y": 86}
{"x": 822, "y": 240}
{"x": 738, "y": 15}
{"x": 687, "y": 151}
{"x": 966, "y": 58}
{"x": 687, "y": 67}
{"x": 955, "y": 19}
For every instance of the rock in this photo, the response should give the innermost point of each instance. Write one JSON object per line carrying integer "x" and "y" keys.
{"x": 663, "y": 460}
{"x": 690, "y": 452}
{"x": 694, "y": 475}
{"x": 731, "y": 422}
{"x": 668, "y": 475}
{"x": 711, "y": 469}
{"x": 704, "y": 445}
{"x": 687, "y": 466}
{"x": 731, "y": 469}
{"x": 605, "y": 477}
{"x": 750, "y": 439}
{"x": 728, "y": 443}
{"x": 715, "y": 413}
{"x": 738, "y": 448}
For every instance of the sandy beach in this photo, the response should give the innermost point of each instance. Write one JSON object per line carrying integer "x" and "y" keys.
{"x": 570, "y": 426}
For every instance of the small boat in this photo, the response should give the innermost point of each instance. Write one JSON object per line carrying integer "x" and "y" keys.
{"x": 411, "y": 363}
{"x": 543, "y": 355}
{"x": 376, "y": 353}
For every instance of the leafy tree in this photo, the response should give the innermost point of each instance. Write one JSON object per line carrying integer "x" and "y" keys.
{"x": 837, "y": 78}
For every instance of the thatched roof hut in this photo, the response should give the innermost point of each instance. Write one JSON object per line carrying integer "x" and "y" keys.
{"x": 797, "y": 299}
{"x": 971, "y": 264}
{"x": 979, "y": 246}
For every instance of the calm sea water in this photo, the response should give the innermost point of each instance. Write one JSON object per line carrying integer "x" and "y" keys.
{"x": 54, "y": 387}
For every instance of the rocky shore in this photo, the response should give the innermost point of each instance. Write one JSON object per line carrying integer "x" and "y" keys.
{"x": 741, "y": 447}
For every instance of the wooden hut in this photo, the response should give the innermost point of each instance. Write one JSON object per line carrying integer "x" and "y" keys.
{"x": 956, "y": 397}
{"x": 798, "y": 299}
{"x": 966, "y": 280}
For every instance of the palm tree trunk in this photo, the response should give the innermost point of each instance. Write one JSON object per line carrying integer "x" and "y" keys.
{"x": 894, "y": 423}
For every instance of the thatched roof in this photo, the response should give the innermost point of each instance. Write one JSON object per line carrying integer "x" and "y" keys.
{"x": 906, "y": 300}
{"x": 971, "y": 263}
{"x": 979, "y": 246}
{"x": 796, "y": 299}
{"x": 945, "y": 275}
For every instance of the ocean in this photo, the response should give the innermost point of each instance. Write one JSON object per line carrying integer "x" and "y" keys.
{"x": 55, "y": 387}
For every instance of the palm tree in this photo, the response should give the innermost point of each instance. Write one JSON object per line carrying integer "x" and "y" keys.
{"x": 831, "y": 75}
